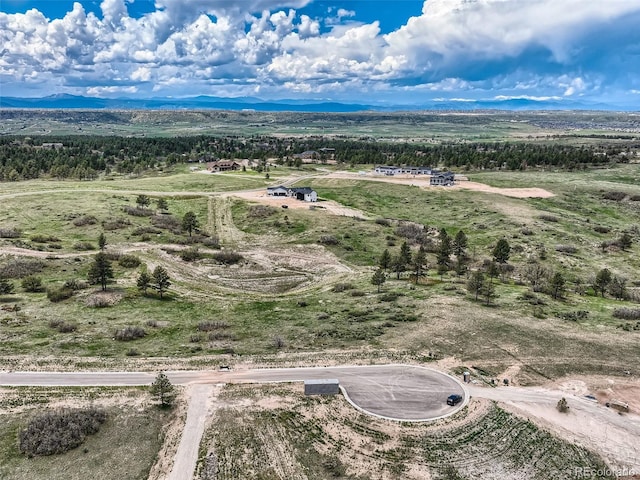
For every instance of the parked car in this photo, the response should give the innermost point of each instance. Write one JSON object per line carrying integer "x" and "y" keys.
{"x": 454, "y": 399}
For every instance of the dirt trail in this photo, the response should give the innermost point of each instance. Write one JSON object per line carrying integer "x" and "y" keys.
{"x": 220, "y": 220}
{"x": 200, "y": 402}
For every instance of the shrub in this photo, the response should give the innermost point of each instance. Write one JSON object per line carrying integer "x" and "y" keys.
{"x": 211, "y": 242}
{"x": 146, "y": 231}
{"x": 101, "y": 300}
{"x": 20, "y": 268}
{"x": 44, "y": 238}
{"x": 389, "y": 297}
{"x": 167, "y": 222}
{"x": 357, "y": 293}
{"x": 548, "y": 218}
{"x": 132, "y": 352}
{"x": 209, "y": 326}
{"x": 190, "y": 254}
{"x": 575, "y": 316}
{"x": 385, "y": 222}
{"x": 85, "y": 220}
{"x": 137, "y": 211}
{"x": 59, "y": 294}
{"x": 129, "y": 333}
{"x": 58, "y": 432}
{"x": 341, "y": 287}
{"x": 635, "y": 198}
{"x": 261, "y": 211}
{"x": 562, "y": 406}
{"x": 10, "y": 232}
{"x": 84, "y": 246}
{"x": 129, "y": 261}
{"x": 411, "y": 231}
{"x": 65, "y": 327}
{"x": 329, "y": 240}
{"x": 227, "y": 257}
{"x": 74, "y": 284}
{"x": 32, "y": 284}
{"x": 601, "y": 229}
{"x": 627, "y": 313}
{"x": 570, "y": 249}
{"x": 615, "y": 196}
{"x": 278, "y": 342}
{"x": 115, "y": 224}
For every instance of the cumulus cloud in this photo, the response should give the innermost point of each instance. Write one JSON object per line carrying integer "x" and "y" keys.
{"x": 533, "y": 48}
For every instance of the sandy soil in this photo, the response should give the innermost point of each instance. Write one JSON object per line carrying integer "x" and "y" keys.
{"x": 423, "y": 182}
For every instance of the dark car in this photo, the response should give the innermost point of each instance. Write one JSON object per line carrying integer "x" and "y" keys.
{"x": 454, "y": 399}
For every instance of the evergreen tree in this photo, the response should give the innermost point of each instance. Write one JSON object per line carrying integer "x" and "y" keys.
{"x": 5, "y": 286}
{"x": 460, "y": 244}
{"x": 161, "y": 280}
{"x": 405, "y": 253}
{"x": 162, "y": 204}
{"x": 385, "y": 259}
{"x": 444, "y": 252}
{"x": 163, "y": 390}
{"x": 398, "y": 265}
{"x": 488, "y": 292}
{"x": 625, "y": 241}
{"x": 378, "y": 278}
{"x": 475, "y": 283}
{"x": 502, "y": 251}
{"x": 144, "y": 281}
{"x": 102, "y": 241}
{"x": 557, "y": 285}
{"x": 419, "y": 262}
{"x": 100, "y": 271}
{"x": 143, "y": 201}
{"x": 602, "y": 281}
{"x": 190, "y": 222}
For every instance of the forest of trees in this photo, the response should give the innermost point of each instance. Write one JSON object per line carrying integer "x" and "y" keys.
{"x": 86, "y": 157}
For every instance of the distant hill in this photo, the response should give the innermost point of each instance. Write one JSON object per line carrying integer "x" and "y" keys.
{"x": 64, "y": 101}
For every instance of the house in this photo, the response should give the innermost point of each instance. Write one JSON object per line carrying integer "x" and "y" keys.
{"x": 222, "y": 166}
{"x": 388, "y": 170}
{"x": 278, "y": 191}
{"x": 442, "y": 178}
{"x": 416, "y": 170}
{"x": 307, "y": 155}
{"x": 306, "y": 194}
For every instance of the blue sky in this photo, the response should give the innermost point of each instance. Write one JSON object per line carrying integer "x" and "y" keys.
{"x": 374, "y": 51}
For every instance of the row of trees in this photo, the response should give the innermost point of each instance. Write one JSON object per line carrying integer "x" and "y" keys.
{"x": 85, "y": 157}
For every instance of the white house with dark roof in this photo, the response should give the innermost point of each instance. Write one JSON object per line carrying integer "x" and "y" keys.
{"x": 306, "y": 194}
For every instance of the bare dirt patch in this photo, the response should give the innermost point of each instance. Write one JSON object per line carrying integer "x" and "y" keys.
{"x": 329, "y": 206}
{"x": 423, "y": 182}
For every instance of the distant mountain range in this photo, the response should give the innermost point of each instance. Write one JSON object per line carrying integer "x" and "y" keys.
{"x": 64, "y": 101}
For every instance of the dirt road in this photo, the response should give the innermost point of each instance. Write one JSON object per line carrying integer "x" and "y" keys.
{"x": 200, "y": 400}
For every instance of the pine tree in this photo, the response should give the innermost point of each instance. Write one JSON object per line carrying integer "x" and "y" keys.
{"x": 398, "y": 265}
{"x": 602, "y": 281}
{"x": 102, "y": 241}
{"x": 444, "y": 252}
{"x": 385, "y": 259}
{"x": 143, "y": 201}
{"x": 460, "y": 244}
{"x": 162, "y": 204}
{"x": 419, "y": 261}
{"x": 475, "y": 283}
{"x": 501, "y": 251}
{"x": 190, "y": 222}
{"x": 378, "y": 278}
{"x": 161, "y": 279}
{"x": 144, "y": 281}
{"x": 163, "y": 390}
{"x": 405, "y": 253}
{"x": 557, "y": 285}
{"x": 100, "y": 271}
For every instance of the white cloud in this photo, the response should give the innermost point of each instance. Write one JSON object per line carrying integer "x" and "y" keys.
{"x": 544, "y": 48}
{"x": 111, "y": 90}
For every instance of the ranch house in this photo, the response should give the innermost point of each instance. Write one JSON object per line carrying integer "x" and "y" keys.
{"x": 222, "y": 166}
{"x": 442, "y": 178}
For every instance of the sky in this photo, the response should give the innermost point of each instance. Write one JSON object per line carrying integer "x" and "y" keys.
{"x": 398, "y": 52}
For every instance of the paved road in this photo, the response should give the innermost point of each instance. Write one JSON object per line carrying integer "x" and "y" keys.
{"x": 400, "y": 392}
